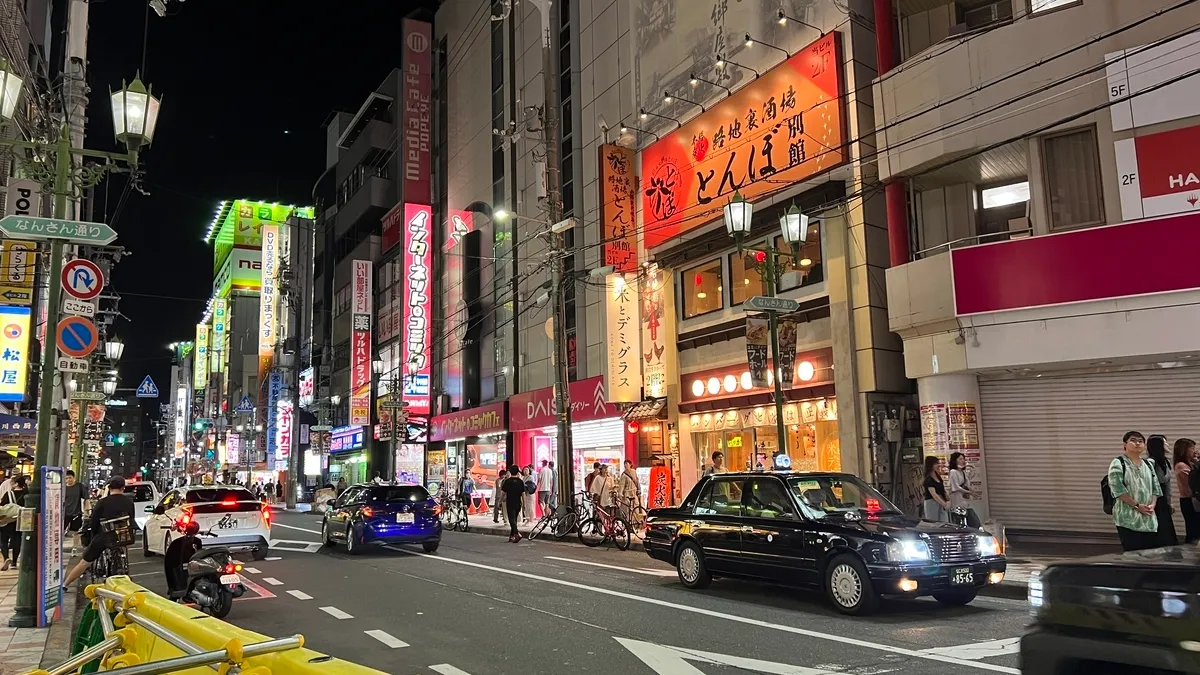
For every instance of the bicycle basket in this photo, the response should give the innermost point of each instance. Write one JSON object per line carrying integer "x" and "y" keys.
{"x": 121, "y": 528}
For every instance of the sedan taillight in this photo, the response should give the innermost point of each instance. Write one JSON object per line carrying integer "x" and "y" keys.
{"x": 367, "y": 512}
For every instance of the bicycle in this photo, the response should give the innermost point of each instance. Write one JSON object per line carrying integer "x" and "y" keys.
{"x": 631, "y": 509}
{"x": 113, "y": 560}
{"x": 603, "y": 527}
{"x": 454, "y": 512}
{"x": 560, "y": 524}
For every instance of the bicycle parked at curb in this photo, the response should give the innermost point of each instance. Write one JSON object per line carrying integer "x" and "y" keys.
{"x": 603, "y": 526}
{"x": 631, "y": 509}
{"x": 453, "y": 511}
{"x": 559, "y": 522}
{"x": 113, "y": 560}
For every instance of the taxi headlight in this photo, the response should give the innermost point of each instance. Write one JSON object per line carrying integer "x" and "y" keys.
{"x": 908, "y": 550}
{"x": 1037, "y": 592}
{"x": 987, "y": 545}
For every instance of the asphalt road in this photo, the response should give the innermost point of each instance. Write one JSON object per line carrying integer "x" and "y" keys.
{"x": 483, "y": 606}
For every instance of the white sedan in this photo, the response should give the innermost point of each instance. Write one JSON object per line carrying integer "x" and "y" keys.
{"x": 240, "y": 521}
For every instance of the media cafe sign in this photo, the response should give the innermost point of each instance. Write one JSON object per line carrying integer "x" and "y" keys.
{"x": 488, "y": 419}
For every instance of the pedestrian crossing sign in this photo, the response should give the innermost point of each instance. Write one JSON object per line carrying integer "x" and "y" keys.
{"x": 245, "y": 406}
{"x": 147, "y": 389}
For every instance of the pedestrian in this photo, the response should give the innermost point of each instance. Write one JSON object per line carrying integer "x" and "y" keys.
{"x": 1135, "y": 489}
{"x": 603, "y": 487}
{"x": 10, "y": 538}
{"x": 1184, "y": 458}
{"x": 513, "y": 489}
{"x": 498, "y": 497}
{"x": 72, "y": 509}
{"x": 1156, "y": 450}
{"x": 936, "y": 506}
{"x": 553, "y": 487}
{"x": 530, "y": 482}
{"x": 270, "y": 490}
{"x": 466, "y": 487}
{"x": 960, "y": 488}
{"x": 718, "y": 464}
{"x": 341, "y": 485}
{"x": 629, "y": 488}
{"x": 279, "y": 492}
{"x": 378, "y": 479}
{"x": 545, "y": 488}
{"x": 587, "y": 480}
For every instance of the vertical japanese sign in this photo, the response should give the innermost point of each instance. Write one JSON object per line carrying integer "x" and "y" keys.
{"x": 660, "y": 487}
{"x": 624, "y": 340}
{"x": 416, "y": 62}
{"x": 307, "y": 387}
{"x": 274, "y": 394}
{"x": 50, "y": 537}
{"x": 14, "y": 348}
{"x": 19, "y": 258}
{"x": 220, "y": 313}
{"x": 416, "y": 309}
{"x": 658, "y": 331}
{"x": 616, "y": 208}
{"x": 200, "y": 358}
{"x": 233, "y": 449}
{"x": 268, "y": 300}
{"x": 962, "y": 435}
{"x": 181, "y": 414}
{"x": 283, "y": 430}
{"x": 756, "y": 351}
{"x": 935, "y": 432}
{"x": 784, "y": 127}
{"x": 786, "y": 363}
{"x": 360, "y": 344}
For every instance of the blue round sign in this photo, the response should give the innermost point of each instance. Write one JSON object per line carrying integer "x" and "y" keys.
{"x": 77, "y": 336}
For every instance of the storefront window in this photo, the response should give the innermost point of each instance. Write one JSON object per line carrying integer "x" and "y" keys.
{"x": 745, "y": 281}
{"x": 812, "y": 441}
{"x": 410, "y": 463}
{"x": 701, "y": 288}
{"x": 808, "y": 265}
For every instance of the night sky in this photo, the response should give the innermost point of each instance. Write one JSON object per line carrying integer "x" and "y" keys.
{"x": 245, "y": 87}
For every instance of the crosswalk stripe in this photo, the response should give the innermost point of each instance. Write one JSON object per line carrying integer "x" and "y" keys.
{"x": 273, "y": 581}
{"x": 336, "y": 613}
{"x": 300, "y": 595}
{"x": 447, "y": 669}
{"x": 252, "y": 570}
{"x": 393, "y": 642}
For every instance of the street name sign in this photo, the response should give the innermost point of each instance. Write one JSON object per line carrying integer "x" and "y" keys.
{"x": 77, "y": 336}
{"x": 79, "y": 307}
{"x": 147, "y": 389}
{"x": 32, "y": 227}
{"x": 320, "y": 427}
{"x": 766, "y": 303}
{"x": 88, "y": 396}
{"x": 67, "y": 364}
{"x": 82, "y": 279}
{"x": 394, "y": 404}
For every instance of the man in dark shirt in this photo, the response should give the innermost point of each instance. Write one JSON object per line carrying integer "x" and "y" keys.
{"x": 514, "y": 491}
{"x": 73, "y": 509}
{"x": 115, "y": 505}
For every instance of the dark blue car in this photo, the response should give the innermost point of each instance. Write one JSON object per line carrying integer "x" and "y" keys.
{"x": 382, "y": 514}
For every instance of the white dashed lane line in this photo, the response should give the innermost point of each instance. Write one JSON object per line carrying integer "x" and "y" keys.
{"x": 252, "y": 570}
{"x": 300, "y": 595}
{"x": 390, "y": 641}
{"x": 335, "y": 612}
{"x": 273, "y": 581}
{"x": 447, "y": 669}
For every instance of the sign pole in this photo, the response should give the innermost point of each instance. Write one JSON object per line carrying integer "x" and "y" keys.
{"x": 25, "y": 610}
{"x": 773, "y": 323}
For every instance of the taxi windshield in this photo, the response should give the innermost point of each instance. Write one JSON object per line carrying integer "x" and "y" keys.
{"x": 824, "y": 495}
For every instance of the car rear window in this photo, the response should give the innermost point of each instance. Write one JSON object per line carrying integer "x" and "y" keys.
{"x": 140, "y": 493}
{"x": 218, "y": 495}
{"x": 398, "y": 493}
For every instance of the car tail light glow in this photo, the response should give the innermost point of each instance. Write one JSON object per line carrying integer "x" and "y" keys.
{"x": 185, "y": 518}
{"x": 229, "y": 501}
{"x": 368, "y": 512}
{"x": 266, "y": 514}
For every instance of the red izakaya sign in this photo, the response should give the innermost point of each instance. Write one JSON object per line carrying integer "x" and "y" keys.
{"x": 417, "y": 308}
{"x": 360, "y": 344}
{"x": 416, "y": 62}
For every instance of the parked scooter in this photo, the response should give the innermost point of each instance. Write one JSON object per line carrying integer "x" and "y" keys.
{"x": 207, "y": 577}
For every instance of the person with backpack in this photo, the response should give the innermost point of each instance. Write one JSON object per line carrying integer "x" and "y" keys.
{"x": 1135, "y": 490}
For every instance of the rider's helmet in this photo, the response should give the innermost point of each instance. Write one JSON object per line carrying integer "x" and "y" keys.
{"x": 192, "y": 528}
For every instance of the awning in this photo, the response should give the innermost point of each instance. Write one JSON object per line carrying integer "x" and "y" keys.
{"x": 648, "y": 409}
{"x": 11, "y": 424}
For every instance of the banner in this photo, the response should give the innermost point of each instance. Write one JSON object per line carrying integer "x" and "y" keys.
{"x": 233, "y": 449}
{"x": 756, "y": 351}
{"x": 660, "y": 488}
{"x": 624, "y": 340}
{"x": 787, "y": 354}
{"x": 417, "y": 309}
{"x": 416, "y": 62}
{"x": 307, "y": 387}
{"x": 14, "y": 351}
{"x": 362, "y": 298}
{"x": 616, "y": 208}
{"x": 283, "y": 430}
{"x": 200, "y": 358}
{"x": 220, "y": 315}
{"x": 274, "y": 394}
{"x": 658, "y": 331}
{"x": 181, "y": 414}
{"x": 267, "y": 300}
{"x": 461, "y": 223}
{"x": 18, "y": 260}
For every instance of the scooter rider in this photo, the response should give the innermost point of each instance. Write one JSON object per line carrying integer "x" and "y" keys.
{"x": 115, "y": 505}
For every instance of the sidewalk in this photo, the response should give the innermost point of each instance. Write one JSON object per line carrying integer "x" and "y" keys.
{"x": 25, "y": 649}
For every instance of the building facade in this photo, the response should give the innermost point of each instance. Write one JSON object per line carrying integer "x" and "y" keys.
{"x": 1039, "y": 213}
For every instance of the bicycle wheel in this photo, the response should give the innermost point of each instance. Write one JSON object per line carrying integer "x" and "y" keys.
{"x": 462, "y": 519}
{"x": 120, "y": 564}
{"x": 566, "y": 523}
{"x": 591, "y": 532}
{"x": 620, "y": 533}
{"x": 539, "y": 528}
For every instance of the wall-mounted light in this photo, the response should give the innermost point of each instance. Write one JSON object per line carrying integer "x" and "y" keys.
{"x": 685, "y": 100}
{"x": 722, "y": 62}
{"x": 784, "y": 19}
{"x": 695, "y": 80}
{"x": 644, "y": 114}
{"x": 626, "y": 128}
{"x": 750, "y": 42}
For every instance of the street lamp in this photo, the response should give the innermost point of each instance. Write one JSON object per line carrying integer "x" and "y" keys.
{"x": 794, "y": 226}
{"x": 134, "y": 121}
{"x": 109, "y": 387}
{"x": 377, "y": 366}
{"x": 114, "y": 348}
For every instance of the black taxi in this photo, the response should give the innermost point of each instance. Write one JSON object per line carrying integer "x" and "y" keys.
{"x": 819, "y": 530}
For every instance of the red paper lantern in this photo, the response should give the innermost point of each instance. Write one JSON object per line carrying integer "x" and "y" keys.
{"x": 760, "y": 257}
{"x": 699, "y": 280}
{"x": 632, "y": 427}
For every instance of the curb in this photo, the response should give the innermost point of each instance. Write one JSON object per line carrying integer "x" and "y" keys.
{"x": 635, "y": 544}
{"x": 62, "y": 633}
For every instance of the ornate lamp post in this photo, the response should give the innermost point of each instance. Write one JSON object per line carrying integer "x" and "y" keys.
{"x": 135, "y": 115}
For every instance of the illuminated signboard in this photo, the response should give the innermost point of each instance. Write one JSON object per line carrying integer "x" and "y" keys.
{"x": 200, "y": 358}
{"x": 417, "y": 308}
{"x": 14, "y": 347}
{"x": 360, "y": 344}
{"x": 267, "y": 299}
{"x": 283, "y": 431}
{"x": 343, "y": 439}
{"x": 306, "y": 387}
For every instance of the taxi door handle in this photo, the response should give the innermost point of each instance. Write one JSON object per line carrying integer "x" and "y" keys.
{"x": 747, "y": 528}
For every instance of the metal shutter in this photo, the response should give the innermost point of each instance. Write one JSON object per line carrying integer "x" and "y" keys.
{"x": 1047, "y": 441}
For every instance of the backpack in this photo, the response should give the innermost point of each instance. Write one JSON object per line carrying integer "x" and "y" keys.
{"x": 530, "y": 486}
{"x": 1106, "y": 492}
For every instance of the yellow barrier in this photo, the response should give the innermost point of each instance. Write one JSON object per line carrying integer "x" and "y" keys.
{"x": 208, "y": 634}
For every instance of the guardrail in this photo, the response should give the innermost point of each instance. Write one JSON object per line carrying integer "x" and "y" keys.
{"x": 129, "y": 628}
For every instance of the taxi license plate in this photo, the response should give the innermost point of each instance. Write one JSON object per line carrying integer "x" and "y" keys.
{"x": 230, "y": 579}
{"x": 404, "y": 518}
{"x": 961, "y": 575}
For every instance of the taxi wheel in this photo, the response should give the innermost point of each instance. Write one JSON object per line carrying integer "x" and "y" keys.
{"x": 146, "y": 552}
{"x": 353, "y": 546}
{"x": 849, "y": 586}
{"x": 431, "y": 546}
{"x": 956, "y": 598}
{"x": 693, "y": 573}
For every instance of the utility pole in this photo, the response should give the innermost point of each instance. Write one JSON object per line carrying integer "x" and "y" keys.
{"x": 562, "y": 396}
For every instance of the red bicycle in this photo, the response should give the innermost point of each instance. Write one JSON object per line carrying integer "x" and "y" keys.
{"x": 603, "y": 526}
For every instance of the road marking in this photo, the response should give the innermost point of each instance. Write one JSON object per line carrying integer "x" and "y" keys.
{"x": 273, "y": 558}
{"x": 721, "y": 615}
{"x": 142, "y": 574}
{"x": 273, "y": 581}
{"x": 980, "y": 650}
{"x": 262, "y": 592}
{"x": 666, "y": 660}
{"x": 653, "y": 573}
{"x": 252, "y": 570}
{"x": 293, "y": 527}
{"x": 447, "y": 669}
{"x": 336, "y": 613}
{"x": 295, "y": 546}
{"x": 300, "y": 595}
{"x": 393, "y": 642}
